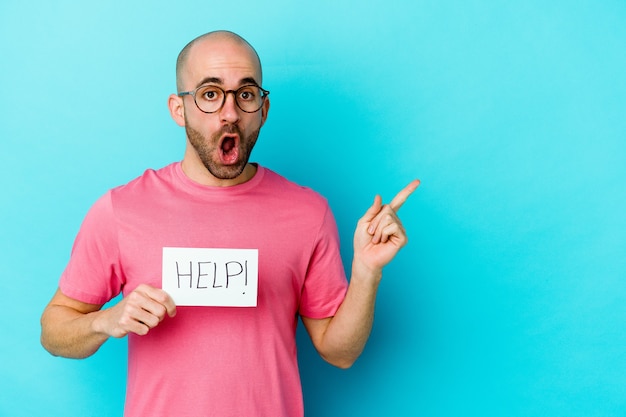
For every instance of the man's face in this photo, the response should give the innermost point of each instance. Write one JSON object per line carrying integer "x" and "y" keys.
{"x": 223, "y": 141}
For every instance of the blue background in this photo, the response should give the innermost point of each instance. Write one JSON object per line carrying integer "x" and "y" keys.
{"x": 509, "y": 298}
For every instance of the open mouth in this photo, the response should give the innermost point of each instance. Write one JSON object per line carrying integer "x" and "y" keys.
{"x": 229, "y": 149}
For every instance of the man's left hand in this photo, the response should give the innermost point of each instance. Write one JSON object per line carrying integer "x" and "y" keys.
{"x": 379, "y": 234}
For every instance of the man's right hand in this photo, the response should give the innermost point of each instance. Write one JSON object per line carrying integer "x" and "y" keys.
{"x": 74, "y": 329}
{"x": 141, "y": 310}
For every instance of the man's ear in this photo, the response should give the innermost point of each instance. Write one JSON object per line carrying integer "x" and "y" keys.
{"x": 177, "y": 109}
{"x": 264, "y": 110}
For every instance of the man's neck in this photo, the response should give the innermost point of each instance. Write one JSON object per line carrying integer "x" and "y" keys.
{"x": 201, "y": 175}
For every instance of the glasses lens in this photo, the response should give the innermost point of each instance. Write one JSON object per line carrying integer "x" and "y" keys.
{"x": 209, "y": 98}
{"x": 249, "y": 98}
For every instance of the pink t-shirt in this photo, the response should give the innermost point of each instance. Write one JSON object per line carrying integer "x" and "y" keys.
{"x": 213, "y": 361}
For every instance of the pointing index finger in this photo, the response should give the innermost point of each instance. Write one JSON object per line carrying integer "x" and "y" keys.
{"x": 401, "y": 197}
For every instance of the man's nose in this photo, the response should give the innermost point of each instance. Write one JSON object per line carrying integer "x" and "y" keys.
{"x": 230, "y": 111}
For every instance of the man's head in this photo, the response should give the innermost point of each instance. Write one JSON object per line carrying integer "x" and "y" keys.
{"x": 218, "y": 143}
{"x": 219, "y": 36}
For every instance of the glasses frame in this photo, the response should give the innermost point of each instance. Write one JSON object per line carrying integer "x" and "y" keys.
{"x": 193, "y": 93}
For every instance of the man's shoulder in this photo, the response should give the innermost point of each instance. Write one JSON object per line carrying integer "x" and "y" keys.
{"x": 147, "y": 187}
{"x": 150, "y": 177}
{"x": 291, "y": 190}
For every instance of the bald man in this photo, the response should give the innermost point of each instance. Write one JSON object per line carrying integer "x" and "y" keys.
{"x": 219, "y": 360}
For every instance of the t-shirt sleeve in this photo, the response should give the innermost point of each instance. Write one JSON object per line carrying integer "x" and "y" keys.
{"x": 325, "y": 284}
{"x": 93, "y": 274}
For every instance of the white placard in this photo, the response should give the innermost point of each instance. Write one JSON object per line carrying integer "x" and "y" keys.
{"x": 211, "y": 277}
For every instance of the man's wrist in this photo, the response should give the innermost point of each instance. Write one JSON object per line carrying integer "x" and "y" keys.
{"x": 363, "y": 272}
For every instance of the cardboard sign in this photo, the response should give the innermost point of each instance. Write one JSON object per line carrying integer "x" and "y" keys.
{"x": 211, "y": 277}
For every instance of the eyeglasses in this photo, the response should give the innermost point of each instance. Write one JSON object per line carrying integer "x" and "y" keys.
{"x": 211, "y": 98}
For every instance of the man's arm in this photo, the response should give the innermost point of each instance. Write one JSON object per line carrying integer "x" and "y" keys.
{"x": 73, "y": 329}
{"x": 378, "y": 237}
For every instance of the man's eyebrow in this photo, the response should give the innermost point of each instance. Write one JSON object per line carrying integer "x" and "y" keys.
{"x": 219, "y": 81}
{"x": 248, "y": 81}
{"x": 210, "y": 80}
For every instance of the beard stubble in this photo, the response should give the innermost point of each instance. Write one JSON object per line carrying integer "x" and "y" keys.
{"x": 208, "y": 150}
